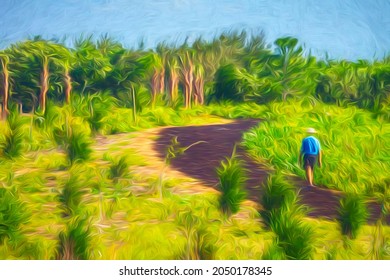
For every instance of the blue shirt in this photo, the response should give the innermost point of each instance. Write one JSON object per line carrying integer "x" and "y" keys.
{"x": 310, "y": 146}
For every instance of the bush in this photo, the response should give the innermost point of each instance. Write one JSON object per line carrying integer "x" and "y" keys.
{"x": 94, "y": 108}
{"x": 279, "y": 197}
{"x": 12, "y": 215}
{"x": 353, "y": 214}
{"x": 118, "y": 168}
{"x": 71, "y": 196}
{"x": 274, "y": 252}
{"x": 78, "y": 147}
{"x": 11, "y": 144}
{"x": 293, "y": 236}
{"x": 232, "y": 184}
{"x": 74, "y": 243}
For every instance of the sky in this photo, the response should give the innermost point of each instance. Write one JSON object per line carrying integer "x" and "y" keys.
{"x": 342, "y": 29}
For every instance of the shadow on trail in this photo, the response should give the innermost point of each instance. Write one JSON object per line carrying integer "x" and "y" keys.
{"x": 202, "y": 160}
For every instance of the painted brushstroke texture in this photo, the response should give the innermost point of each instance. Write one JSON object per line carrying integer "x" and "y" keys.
{"x": 342, "y": 29}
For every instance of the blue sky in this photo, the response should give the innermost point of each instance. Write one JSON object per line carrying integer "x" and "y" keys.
{"x": 349, "y": 29}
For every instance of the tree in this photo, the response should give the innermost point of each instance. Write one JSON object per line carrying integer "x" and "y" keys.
{"x": 291, "y": 74}
{"x": 187, "y": 71}
{"x": 173, "y": 76}
{"x": 4, "y": 62}
{"x": 36, "y": 63}
{"x": 91, "y": 67}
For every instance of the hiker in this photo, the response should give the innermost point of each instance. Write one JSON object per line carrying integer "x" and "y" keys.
{"x": 311, "y": 153}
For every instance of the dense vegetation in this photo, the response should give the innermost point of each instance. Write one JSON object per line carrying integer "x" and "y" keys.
{"x": 67, "y": 195}
{"x": 232, "y": 67}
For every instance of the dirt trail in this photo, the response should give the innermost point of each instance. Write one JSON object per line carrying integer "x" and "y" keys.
{"x": 200, "y": 162}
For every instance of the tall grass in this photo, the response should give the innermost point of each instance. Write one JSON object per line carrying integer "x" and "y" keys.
{"x": 118, "y": 168}
{"x": 94, "y": 108}
{"x": 78, "y": 147}
{"x": 284, "y": 216}
{"x": 353, "y": 214}
{"x": 74, "y": 242}
{"x": 353, "y": 143}
{"x": 13, "y": 214}
{"x": 279, "y": 197}
{"x": 71, "y": 195}
{"x": 294, "y": 236}
{"x": 12, "y": 142}
{"x": 232, "y": 181}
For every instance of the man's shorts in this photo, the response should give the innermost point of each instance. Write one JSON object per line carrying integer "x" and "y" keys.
{"x": 309, "y": 160}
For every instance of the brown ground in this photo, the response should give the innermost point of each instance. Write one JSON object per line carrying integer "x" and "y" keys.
{"x": 200, "y": 162}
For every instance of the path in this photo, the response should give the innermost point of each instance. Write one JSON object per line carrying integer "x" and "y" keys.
{"x": 200, "y": 162}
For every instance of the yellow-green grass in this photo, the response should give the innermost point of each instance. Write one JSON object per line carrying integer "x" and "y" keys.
{"x": 128, "y": 220}
{"x": 356, "y": 146}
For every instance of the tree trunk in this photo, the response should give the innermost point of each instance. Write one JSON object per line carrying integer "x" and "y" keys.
{"x": 155, "y": 86}
{"x": 134, "y": 104}
{"x": 68, "y": 86}
{"x": 188, "y": 80}
{"x": 173, "y": 85}
{"x": 44, "y": 85}
{"x": 5, "y": 88}
{"x": 199, "y": 90}
{"x": 162, "y": 81}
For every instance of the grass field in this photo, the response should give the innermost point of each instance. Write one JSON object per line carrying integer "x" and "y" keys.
{"x": 67, "y": 194}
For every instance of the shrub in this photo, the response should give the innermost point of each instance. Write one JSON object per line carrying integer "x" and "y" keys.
{"x": 118, "y": 168}
{"x": 274, "y": 252}
{"x": 293, "y": 235}
{"x": 71, "y": 195}
{"x": 12, "y": 215}
{"x": 78, "y": 147}
{"x": 353, "y": 214}
{"x": 93, "y": 108}
{"x": 74, "y": 243}
{"x": 11, "y": 144}
{"x": 279, "y": 197}
{"x": 232, "y": 184}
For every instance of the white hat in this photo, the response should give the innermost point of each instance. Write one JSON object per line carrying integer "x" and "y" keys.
{"x": 311, "y": 130}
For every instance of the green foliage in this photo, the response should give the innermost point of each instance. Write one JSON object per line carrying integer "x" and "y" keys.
{"x": 353, "y": 214}
{"x": 283, "y": 215}
{"x": 71, "y": 195}
{"x": 13, "y": 214}
{"x": 11, "y": 142}
{"x": 274, "y": 252}
{"x": 78, "y": 147}
{"x": 70, "y": 132}
{"x": 112, "y": 94}
{"x": 119, "y": 168}
{"x": 74, "y": 243}
{"x": 231, "y": 184}
{"x": 279, "y": 197}
{"x": 294, "y": 236}
{"x": 353, "y": 144}
{"x": 94, "y": 108}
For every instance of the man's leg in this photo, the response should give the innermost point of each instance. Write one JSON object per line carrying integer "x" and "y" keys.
{"x": 309, "y": 174}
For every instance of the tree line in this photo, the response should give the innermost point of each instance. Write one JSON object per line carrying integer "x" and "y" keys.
{"x": 234, "y": 67}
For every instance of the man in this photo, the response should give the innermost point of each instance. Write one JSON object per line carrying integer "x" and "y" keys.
{"x": 311, "y": 153}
